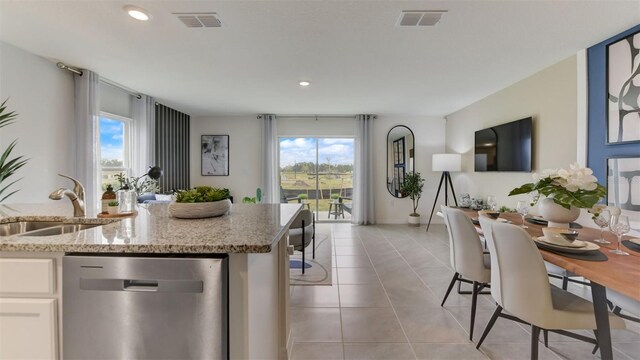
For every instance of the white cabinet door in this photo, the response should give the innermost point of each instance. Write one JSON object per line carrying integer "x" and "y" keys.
{"x": 28, "y": 329}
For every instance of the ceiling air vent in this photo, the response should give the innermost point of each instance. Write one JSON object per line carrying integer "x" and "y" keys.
{"x": 420, "y": 17}
{"x": 199, "y": 20}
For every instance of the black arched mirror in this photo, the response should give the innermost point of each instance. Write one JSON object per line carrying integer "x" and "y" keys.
{"x": 400, "y": 158}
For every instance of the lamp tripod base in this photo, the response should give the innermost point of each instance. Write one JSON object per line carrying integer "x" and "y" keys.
{"x": 446, "y": 179}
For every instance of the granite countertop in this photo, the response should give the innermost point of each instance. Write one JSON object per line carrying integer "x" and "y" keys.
{"x": 249, "y": 228}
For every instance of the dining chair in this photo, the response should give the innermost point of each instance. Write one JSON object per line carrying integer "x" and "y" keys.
{"x": 467, "y": 257}
{"x": 521, "y": 289}
{"x": 302, "y": 232}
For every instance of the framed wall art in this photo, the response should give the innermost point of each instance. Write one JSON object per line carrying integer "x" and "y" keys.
{"x": 623, "y": 90}
{"x": 623, "y": 187}
{"x": 215, "y": 155}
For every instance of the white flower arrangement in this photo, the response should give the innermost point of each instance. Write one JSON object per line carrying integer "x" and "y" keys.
{"x": 575, "y": 186}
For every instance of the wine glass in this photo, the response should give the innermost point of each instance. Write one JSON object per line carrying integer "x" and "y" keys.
{"x": 523, "y": 210}
{"x": 491, "y": 202}
{"x": 602, "y": 220}
{"x": 620, "y": 226}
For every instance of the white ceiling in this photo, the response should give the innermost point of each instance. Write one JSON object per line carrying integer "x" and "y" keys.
{"x": 357, "y": 60}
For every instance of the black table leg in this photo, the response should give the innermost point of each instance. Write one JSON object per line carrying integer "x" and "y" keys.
{"x": 599, "y": 296}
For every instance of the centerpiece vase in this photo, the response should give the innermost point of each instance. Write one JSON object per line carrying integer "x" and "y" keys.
{"x": 557, "y": 215}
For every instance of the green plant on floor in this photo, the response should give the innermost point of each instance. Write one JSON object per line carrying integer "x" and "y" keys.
{"x": 201, "y": 194}
{"x": 412, "y": 187}
{"x": 9, "y": 166}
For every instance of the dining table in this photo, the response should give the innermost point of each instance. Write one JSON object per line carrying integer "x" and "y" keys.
{"x": 619, "y": 272}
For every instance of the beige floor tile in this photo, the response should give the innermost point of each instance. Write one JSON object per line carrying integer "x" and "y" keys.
{"x": 380, "y": 351}
{"x": 315, "y": 325}
{"x": 357, "y": 276}
{"x": 447, "y": 352}
{"x": 315, "y": 296}
{"x": 503, "y": 331}
{"x": 410, "y": 296}
{"x": 507, "y": 351}
{"x": 578, "y": 350}
{"x": 372, "y": 295}
{"x": 371, "y": 325}
{"x": 430, "y": 325}
{"x": 317, "y": 351}
{"x": 350, "y": 250}
{"x": 341, "y": 242}
{"x": 632, "y": 350}
{"x": 353, "y": 261}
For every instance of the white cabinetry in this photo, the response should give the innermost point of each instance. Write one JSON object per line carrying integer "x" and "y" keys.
{"x": 29, "y": 308}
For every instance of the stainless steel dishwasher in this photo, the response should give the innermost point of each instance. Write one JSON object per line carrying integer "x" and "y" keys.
{"x": 118, "y": 307}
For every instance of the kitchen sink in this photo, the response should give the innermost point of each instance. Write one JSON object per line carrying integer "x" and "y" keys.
{"x": 20, "y": 227}
{"x": 59, "y": 230}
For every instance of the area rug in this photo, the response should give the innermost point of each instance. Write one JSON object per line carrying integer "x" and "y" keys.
{"x": 317, "y": 271}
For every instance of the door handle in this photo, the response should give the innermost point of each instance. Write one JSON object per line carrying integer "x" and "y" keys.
{"x": 140, "y": 285}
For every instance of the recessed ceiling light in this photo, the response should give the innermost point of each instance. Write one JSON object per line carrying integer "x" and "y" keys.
{"x": 304, "y": 83}
{"x": 137, "y": 13}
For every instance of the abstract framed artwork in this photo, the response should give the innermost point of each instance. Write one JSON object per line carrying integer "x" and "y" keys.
{"x": 215, "y": 155}
{"x": 623, "y": 187}
{"x": 623, "y": 90}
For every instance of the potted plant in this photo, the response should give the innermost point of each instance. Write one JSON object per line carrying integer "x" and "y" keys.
{"x": 200, "y": 202}
{"x": 335, "y": 196}
{"x": 8, "y": 166}
{"x": 412, "y": 187}
{"x": 302, "y": 197}
{"x": 112, "y": 207}
{"x": 566, "y": 191}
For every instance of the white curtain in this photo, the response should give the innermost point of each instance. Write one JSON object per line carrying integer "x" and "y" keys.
{"x": 363, "y": 205}
{"x": 270, "y": 186}
{"x": 87, "y": 117}
{"x": 144, "y": 128}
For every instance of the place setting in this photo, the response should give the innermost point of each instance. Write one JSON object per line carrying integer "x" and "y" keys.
{"x": 565, "y": 242}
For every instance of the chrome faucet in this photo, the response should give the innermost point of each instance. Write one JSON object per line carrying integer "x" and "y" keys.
{"x": 76, "y": 196}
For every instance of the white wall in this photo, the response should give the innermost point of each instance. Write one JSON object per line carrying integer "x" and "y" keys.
{"x": 551, "y": 97}
{"x": 429, "y": 133}
{"x": 43, "y": 96}
{"x": 245, "y": 147}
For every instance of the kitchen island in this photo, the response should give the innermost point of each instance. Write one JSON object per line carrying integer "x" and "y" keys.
{"x": 253, "y": 236}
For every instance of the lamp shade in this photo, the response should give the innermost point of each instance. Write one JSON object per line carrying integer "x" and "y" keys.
{"x": 446, "y": 162}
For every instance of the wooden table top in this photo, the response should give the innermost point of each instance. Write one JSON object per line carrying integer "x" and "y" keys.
{"x": 620, "y": 273}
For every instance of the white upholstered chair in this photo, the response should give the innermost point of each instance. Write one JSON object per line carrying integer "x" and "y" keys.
{"x": 520, "y": 286}
{"x": 300, "y": 238}
{"x": 467, "y": 257}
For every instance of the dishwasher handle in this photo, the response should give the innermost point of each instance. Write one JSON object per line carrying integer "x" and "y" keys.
{"x": 140, "y": 285}
{"x": 169, "y": 286}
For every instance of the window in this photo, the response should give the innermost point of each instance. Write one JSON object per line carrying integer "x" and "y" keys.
{"x": 115, "y": 149}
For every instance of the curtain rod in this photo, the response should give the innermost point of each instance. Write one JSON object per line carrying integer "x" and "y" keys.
{"x": 79, "y": 72}
{"x": 315, "y": 116}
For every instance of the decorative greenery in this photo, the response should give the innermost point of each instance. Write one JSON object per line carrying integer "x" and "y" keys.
{"x": 412, "y": 187}
{"x": 335, "y": 196}
{"x": 201, "y": 194}
{"x": 259, "y": 195}
{"x": 504, "y": 209}
{"x": 305, "y": 196}
{"x": 249, "y": 200}
{"x": 9, "y": 166}
{"x": 574, "y": 187}
{"x": 113, "y": 203}
{"x": 148, "y": 185}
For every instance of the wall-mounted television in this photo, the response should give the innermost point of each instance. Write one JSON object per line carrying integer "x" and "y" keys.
{"x": 505, "y": 147}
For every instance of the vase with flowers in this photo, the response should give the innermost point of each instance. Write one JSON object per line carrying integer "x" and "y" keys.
{"x": 566, "y": 191}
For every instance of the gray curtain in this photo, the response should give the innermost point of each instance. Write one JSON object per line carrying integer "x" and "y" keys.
{"x": 144, "y": 124}
{"x": 87, "y": 117}
{"x": 172, "y": 148}
{"x": 270, "y": 184}
{"x": 363, "y": 204}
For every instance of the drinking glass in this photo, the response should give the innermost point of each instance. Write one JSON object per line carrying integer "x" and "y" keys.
{"x": 523, "y": 210}
{"x": 620, "y": 226}
{"x": 602, "y": 220}
{"x": 491, "y": 202}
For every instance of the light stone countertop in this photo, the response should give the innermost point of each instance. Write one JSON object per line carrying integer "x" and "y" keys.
{"x": 250, "y": 228}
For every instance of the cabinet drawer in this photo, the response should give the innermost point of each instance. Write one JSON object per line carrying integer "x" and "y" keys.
{"x": 27, "y": 276}
{"x": 28, "y": 328}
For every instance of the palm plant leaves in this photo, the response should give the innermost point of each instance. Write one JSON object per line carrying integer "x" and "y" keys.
{"x": 8, "y": 166}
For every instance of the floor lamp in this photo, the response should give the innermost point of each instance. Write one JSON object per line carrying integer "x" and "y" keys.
{"x": 446, "y": 163}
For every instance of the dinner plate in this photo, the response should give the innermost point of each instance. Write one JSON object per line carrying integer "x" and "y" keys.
{"x": 476, "y": 221}
{"x": 576, "y": 244}
{"x": 558, "y": 248}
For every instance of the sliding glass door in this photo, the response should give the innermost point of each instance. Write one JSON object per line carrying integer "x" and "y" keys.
{"x": 318, "y": 172}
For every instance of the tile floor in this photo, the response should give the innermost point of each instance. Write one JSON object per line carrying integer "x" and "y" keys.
{"x": 388, "y": 282}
